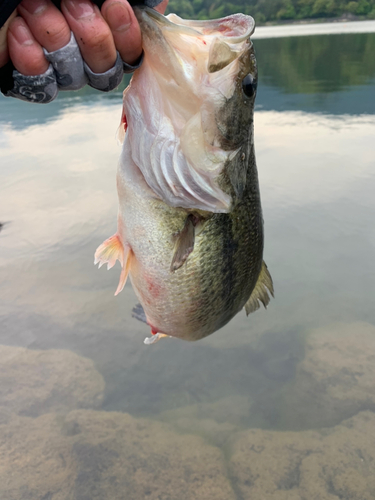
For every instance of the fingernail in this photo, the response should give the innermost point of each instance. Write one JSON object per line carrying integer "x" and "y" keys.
{"x": 34, "y": 6}
{"x": 81, "y": 9}
{"x": 118, "y": 17}
{"x": 22, "y": 34}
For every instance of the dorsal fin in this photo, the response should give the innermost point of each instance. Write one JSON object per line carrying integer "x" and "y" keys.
{"x": 263, "y": 286}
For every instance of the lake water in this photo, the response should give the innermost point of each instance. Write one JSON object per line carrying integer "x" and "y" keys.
{"x": 276, "y": 406}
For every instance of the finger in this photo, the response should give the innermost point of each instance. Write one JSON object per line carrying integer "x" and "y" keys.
{"x": 46, "y": 23}
{"x": 4, "y": 54}
{"x": 92, "y": 34}
{"x": 125, "y": 29}
{"x": 26, "y": 53}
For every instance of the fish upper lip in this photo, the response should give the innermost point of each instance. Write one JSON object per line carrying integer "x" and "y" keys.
{"x": 247, "y": 22}
{"x": 186, "y": 26}
{"x": 165, "y": 21}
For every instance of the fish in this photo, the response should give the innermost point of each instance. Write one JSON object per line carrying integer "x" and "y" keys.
{"x": 190, "y": 227}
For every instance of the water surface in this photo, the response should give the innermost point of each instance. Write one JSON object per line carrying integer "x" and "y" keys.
{"x": 264, "y": 384}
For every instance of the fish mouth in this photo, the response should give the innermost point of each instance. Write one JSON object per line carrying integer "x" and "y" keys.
{"x": 234, "y": 29}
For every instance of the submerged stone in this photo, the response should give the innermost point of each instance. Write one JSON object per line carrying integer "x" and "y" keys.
{"x": 107, "y": 455}
{"x": 330, "y": 464}
{"x": 36, "y": 382}
{"x": 336, "y": 378}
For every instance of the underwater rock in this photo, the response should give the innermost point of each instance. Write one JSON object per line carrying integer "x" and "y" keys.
{"x": 146, "y": 459}
{"x": 330, "y": 464}
{"x": 106, "y": 456}
{"x": 233, "y": 409}
{"x": 215, "y": 421}
{"x": 35, "y": 460}
{"x": 36, "y": 382}
{"x": 336, "y": 378}
{"x": 212, "y": 431}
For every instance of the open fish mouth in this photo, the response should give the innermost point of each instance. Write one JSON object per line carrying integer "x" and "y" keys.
{"x": 177, "y": 139}
{"x": 214, "y": 43}
{"x": 235, "y": 28}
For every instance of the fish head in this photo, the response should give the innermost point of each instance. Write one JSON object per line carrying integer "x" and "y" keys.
{"x": 189, "y": 107}
{"x": 202, "y": 66}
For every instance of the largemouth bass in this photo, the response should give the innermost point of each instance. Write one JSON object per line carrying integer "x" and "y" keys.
{"x": 190, "y": 228}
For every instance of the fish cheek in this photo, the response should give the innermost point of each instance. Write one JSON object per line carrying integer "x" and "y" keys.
{"x": 238, "y": 113}
{"x": 234, "y": 121}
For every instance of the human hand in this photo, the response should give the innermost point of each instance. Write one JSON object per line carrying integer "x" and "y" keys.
{"x": 100, "y": 34}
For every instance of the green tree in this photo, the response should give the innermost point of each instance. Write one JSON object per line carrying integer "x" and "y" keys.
{"x": 272, "y": 10}
{"x": 287, "y": 11}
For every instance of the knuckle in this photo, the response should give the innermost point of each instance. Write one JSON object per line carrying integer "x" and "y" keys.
{"x": 99, "y": 40}
{"x": 59, "y": 36}
{"x": 33, "y": 63}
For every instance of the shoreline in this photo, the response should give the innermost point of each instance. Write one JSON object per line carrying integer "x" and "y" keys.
{"x": 345, "y": 18}
{"x": 307, "y": 27}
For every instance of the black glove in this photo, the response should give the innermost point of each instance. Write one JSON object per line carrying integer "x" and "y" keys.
{"x": 67, "y": 70}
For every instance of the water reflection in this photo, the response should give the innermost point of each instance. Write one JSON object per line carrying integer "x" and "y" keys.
{"x": 59, "y": 207}
{"x": 314, "y": 64}
{"x": 305, "y": 363}
{"x": 330, "y": 74}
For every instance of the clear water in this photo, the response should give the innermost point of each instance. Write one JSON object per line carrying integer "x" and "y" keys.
{"x": 315, "y": 143}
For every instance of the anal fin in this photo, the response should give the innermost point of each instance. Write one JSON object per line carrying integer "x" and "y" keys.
{"x": 139, "y": 313}
{"x": 155, "y": 338}
{"x": 111, "y": 250}
{"x": 261, "y": 291}
{"x": 184, "y": 243}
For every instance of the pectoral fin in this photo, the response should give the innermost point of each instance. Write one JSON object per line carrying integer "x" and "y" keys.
{"x": 263, "y": 286}
{"x": 111, "y": 250}
{"x": 184, "y": 243}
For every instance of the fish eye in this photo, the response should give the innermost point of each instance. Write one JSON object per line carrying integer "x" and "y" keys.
{"x": 249, "y": 85}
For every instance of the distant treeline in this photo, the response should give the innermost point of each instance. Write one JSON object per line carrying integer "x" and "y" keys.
{"x": 273, "y": 10}
{"x": 316, "y": 65}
